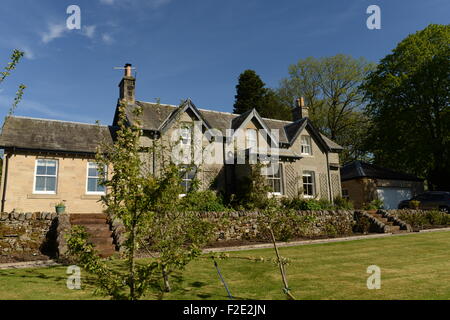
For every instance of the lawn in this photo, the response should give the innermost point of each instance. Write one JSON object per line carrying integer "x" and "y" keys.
{"x": 415, "y": 266}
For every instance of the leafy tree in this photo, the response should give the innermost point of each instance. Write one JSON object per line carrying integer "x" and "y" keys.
{"x": 331, "y": 88}
{"x": 408, "y": 101}
{"x": 251, "y": 93}
{"x": 14, "y": 60}
{"x": 151, "y": 216}
{"x": 274, "y": 108}
{"x": 252, "y": 190}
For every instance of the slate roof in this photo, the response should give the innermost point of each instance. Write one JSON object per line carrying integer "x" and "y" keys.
{"x": 65, "y": 136}
{"x": 155, "y": 114}
{"x": 359, "y": 169}
{"x": 53, "y": 135}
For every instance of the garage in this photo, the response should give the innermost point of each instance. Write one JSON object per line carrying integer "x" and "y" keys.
{"x": 364, "y": 182}
{"x": 391, "y": 197}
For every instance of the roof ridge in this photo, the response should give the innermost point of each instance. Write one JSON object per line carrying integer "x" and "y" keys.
{"x": 55, "y": 120}
{"x": 215, "y": 111}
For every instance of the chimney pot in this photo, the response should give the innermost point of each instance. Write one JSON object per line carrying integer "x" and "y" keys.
{"x": 128, "y": 70}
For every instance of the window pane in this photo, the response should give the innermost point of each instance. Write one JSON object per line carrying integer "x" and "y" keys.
{"x": 50, "y": 184}
{"x": 51, "y": 168}
{"x": 184, "y": 185}
{"x": 276, "y": 186}
{"x": 40, "y": 169}
{"x": 92, "y": 172}
{"x": 186, "y": 135}
{"x": 252, "y": 140}
{"x": 100, "y": 188}
{"x": 191, "y": 174}
{"x": 40, "y": 184}
{"x": 306, "y": 145}
{"x": 308, "y": 183}
{"x": 92, "y": 184}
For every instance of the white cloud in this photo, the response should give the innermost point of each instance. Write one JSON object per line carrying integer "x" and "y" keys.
{"x": 107, "y": 38}
{"x": 107, "y": 1}
{"x": 54, "y": 31}
{"x": 29, "y": 54}
{"x": 88, "y": 31}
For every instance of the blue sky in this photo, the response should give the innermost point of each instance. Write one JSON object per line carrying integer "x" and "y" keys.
{"x": 181, "y": 49}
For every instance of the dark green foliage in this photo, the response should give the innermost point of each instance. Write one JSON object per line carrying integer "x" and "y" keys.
{"x": 419, "y": 219}
{"x": 300, "y": 203}
{"x": 408, "y": 102}
{"x": 252, "y": 191}
{"x": 203, "y": 201}
{"x": 274, "y": 108}
{"x": 362, "y": 224}
{"x": 342, "y": 203}
{"x": 251, "y": 93}
{"x": 373, "y": 205}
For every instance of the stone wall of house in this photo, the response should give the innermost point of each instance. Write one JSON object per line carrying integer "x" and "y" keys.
{"x": 27, "y": 233}
{"x": 71, "y": 186}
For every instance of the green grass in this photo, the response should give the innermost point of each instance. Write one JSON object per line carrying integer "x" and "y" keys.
{"x": 415, "y": 266}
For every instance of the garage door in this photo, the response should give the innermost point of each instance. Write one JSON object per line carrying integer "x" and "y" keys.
{"x": 391, "y": 197}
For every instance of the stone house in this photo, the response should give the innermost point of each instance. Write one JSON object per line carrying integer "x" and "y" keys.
{"x": 364, "y": 182}
{"x": 49, "y": 161}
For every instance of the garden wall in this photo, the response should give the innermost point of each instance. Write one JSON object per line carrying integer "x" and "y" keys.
{"x": 242, "y": 226}
{"x": 27, "y": 234}
{"x": 295, "y": 224}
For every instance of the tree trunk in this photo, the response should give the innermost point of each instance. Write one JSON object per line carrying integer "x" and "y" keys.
{"x": 166, "y": 280}
{"x": 132, "y": 264}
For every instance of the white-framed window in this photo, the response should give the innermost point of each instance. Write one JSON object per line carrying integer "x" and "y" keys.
{"x": 275, "y": 181}
{"x": 186, "y": 135}
{"x": 251, "y": 138}
{"x": 187, "y": 176}
{"x": 46, "y": 176}
{"x": 93, "y": 180}
{"x": 309, "y": 184}
{"x": 306, "y": 148}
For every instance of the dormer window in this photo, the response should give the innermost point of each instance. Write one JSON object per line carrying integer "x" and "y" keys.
{"x": 186, "y": 136}
{"x": 251, "y": 139}
{"x": 306, "y": 148}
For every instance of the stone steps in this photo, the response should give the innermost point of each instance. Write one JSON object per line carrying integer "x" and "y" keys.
{"x": 97, "y": 227}
{"x": 392, "y": 228}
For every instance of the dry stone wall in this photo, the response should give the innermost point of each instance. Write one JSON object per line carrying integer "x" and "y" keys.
{"x": 27, "y": 233}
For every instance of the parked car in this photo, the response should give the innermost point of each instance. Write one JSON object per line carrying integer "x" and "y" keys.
{"x": 439, "y": 200}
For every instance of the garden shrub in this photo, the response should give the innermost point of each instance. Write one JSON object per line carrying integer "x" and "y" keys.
{"x": 299, "y": 203}
{"x": 437, "y": 218}
{"x": 373, "y": 205}
{"x": 203, "y": 201}
{"x": 362, "y": 224}
{"x": 419, "y": 219}
{"x": 343, "y": 204}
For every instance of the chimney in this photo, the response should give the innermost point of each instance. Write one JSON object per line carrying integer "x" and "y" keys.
{"x": 300, "y": 111}
{"x": 127, "y": 86}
